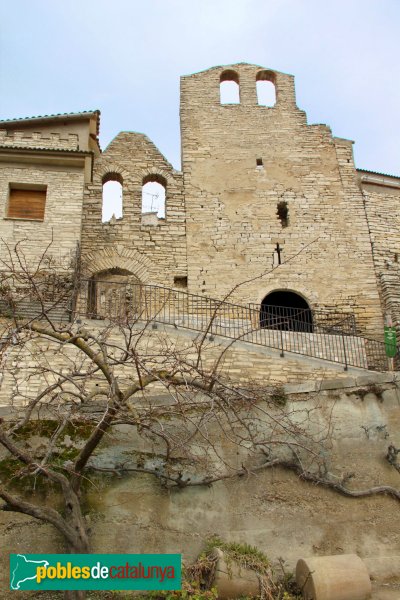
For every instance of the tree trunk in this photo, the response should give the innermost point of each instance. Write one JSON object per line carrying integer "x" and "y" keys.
{"x": 79, "y": 543}
{"x": 81, "y": 546}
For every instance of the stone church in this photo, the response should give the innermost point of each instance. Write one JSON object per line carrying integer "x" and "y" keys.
{"x": 266, "y": 204}
{"x": 299, "y": 250}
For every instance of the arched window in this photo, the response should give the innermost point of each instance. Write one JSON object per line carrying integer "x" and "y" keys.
{"x": 154, "y": 189}
{"x": 229, "y": 88}
{"x": 112, "y": 196}
{"x": 265, "y": 82}
{"x": 286, "y": 311}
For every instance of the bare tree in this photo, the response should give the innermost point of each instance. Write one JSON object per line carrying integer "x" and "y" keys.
{"x": 175, "y": 393}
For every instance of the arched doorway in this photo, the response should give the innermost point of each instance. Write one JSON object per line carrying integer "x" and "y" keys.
{"x": 114, "y": 294}
{"x": 286, "y": 311}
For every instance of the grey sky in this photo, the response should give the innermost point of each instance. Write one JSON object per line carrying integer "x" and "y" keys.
{"x": 125, "y": 58}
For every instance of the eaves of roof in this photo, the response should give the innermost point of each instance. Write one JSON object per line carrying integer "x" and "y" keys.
{"x": 378, "y": 173}
{"x": 5, "y": 123}
{"x": 49, "y": 150}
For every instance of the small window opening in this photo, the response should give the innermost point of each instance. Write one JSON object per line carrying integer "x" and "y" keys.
{"x": 181, "y": 282}
{"x": 259, "y": 162}
{"x": 91, "y": 307}
{"x": 112, "y": 197}
{"x": 283, "y": 213}
{"x": 278, "y": 254}
{"x": 396, "y": 257}
{"x": 153, "y": 195}
{"x": 27, "y": 202}
{"x": 266, "y": 93}
{"x": 229, "y": 88}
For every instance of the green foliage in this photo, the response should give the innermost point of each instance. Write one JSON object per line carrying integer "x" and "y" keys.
{"x": 244, "y": 555}
{"x": 249, "y": 557}
{"x": 77, "y": 430}
{"x": 23, "y": 479}
{"x": 189, "y": 591}
{"x": 9, "y": 468}
{"x": 197, "y": 583}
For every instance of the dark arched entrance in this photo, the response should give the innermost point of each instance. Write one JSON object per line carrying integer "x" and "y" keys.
{"x": 113, "y": 294}
{"x": 286, "y": 311}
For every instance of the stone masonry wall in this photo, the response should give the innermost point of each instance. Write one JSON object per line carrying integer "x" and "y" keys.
{"x": 222, "y": 225}
{"x": 64, "y": 182}
{"x": 38, "y": 139}
{"x": 231, "y": 203}
{"x": 155, "y": 253}
{"x": 62, "y": 218}
{"x": 382, "y": 209}
{"x": 241, "y": 361}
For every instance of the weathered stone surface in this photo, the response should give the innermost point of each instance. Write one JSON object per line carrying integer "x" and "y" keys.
{"x": 371, "y": 378}
{"x": 236, "y": 202}
{"x": 272, "y": 510}
{"x": 309, "y": 386}
{"x": 334, "y": 384}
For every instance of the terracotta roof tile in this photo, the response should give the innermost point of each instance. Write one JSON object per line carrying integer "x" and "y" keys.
{"x": 378, "y": 173}
{"x": 45, "y": 149}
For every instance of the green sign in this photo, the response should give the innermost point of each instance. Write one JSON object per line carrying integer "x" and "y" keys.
{"x": 95, "y": 572}
{"x": 390, "y": 341}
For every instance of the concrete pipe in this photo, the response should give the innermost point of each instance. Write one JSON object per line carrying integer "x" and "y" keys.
{"x": 342, "y": 577}
{"x": 233, "y": 581}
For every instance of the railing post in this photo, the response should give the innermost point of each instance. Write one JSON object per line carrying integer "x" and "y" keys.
{"x": 345, "y": 355}
{"x": 282, "y": 352}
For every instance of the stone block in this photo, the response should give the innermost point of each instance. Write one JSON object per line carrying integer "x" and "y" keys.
{"x": 338, "y": 384}
{"x": 372, "y": 378}
{"x": 299, "y": 388}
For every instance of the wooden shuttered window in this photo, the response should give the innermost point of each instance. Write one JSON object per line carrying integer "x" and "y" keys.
{"x": 27, "y": 204}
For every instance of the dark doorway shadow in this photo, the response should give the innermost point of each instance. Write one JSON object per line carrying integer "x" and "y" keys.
{"x": 286, "y": 311}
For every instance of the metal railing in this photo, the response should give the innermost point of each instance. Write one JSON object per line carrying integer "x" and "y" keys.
{"x": 288, "y": 318}
{"x": 327, "y": 335}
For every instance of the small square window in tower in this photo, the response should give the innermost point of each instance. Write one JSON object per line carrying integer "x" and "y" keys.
{"x": 27, "y": 204}
{"x": 181, "y": 281}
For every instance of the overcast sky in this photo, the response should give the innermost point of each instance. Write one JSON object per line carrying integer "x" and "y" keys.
{"x": 125, "y": 57}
